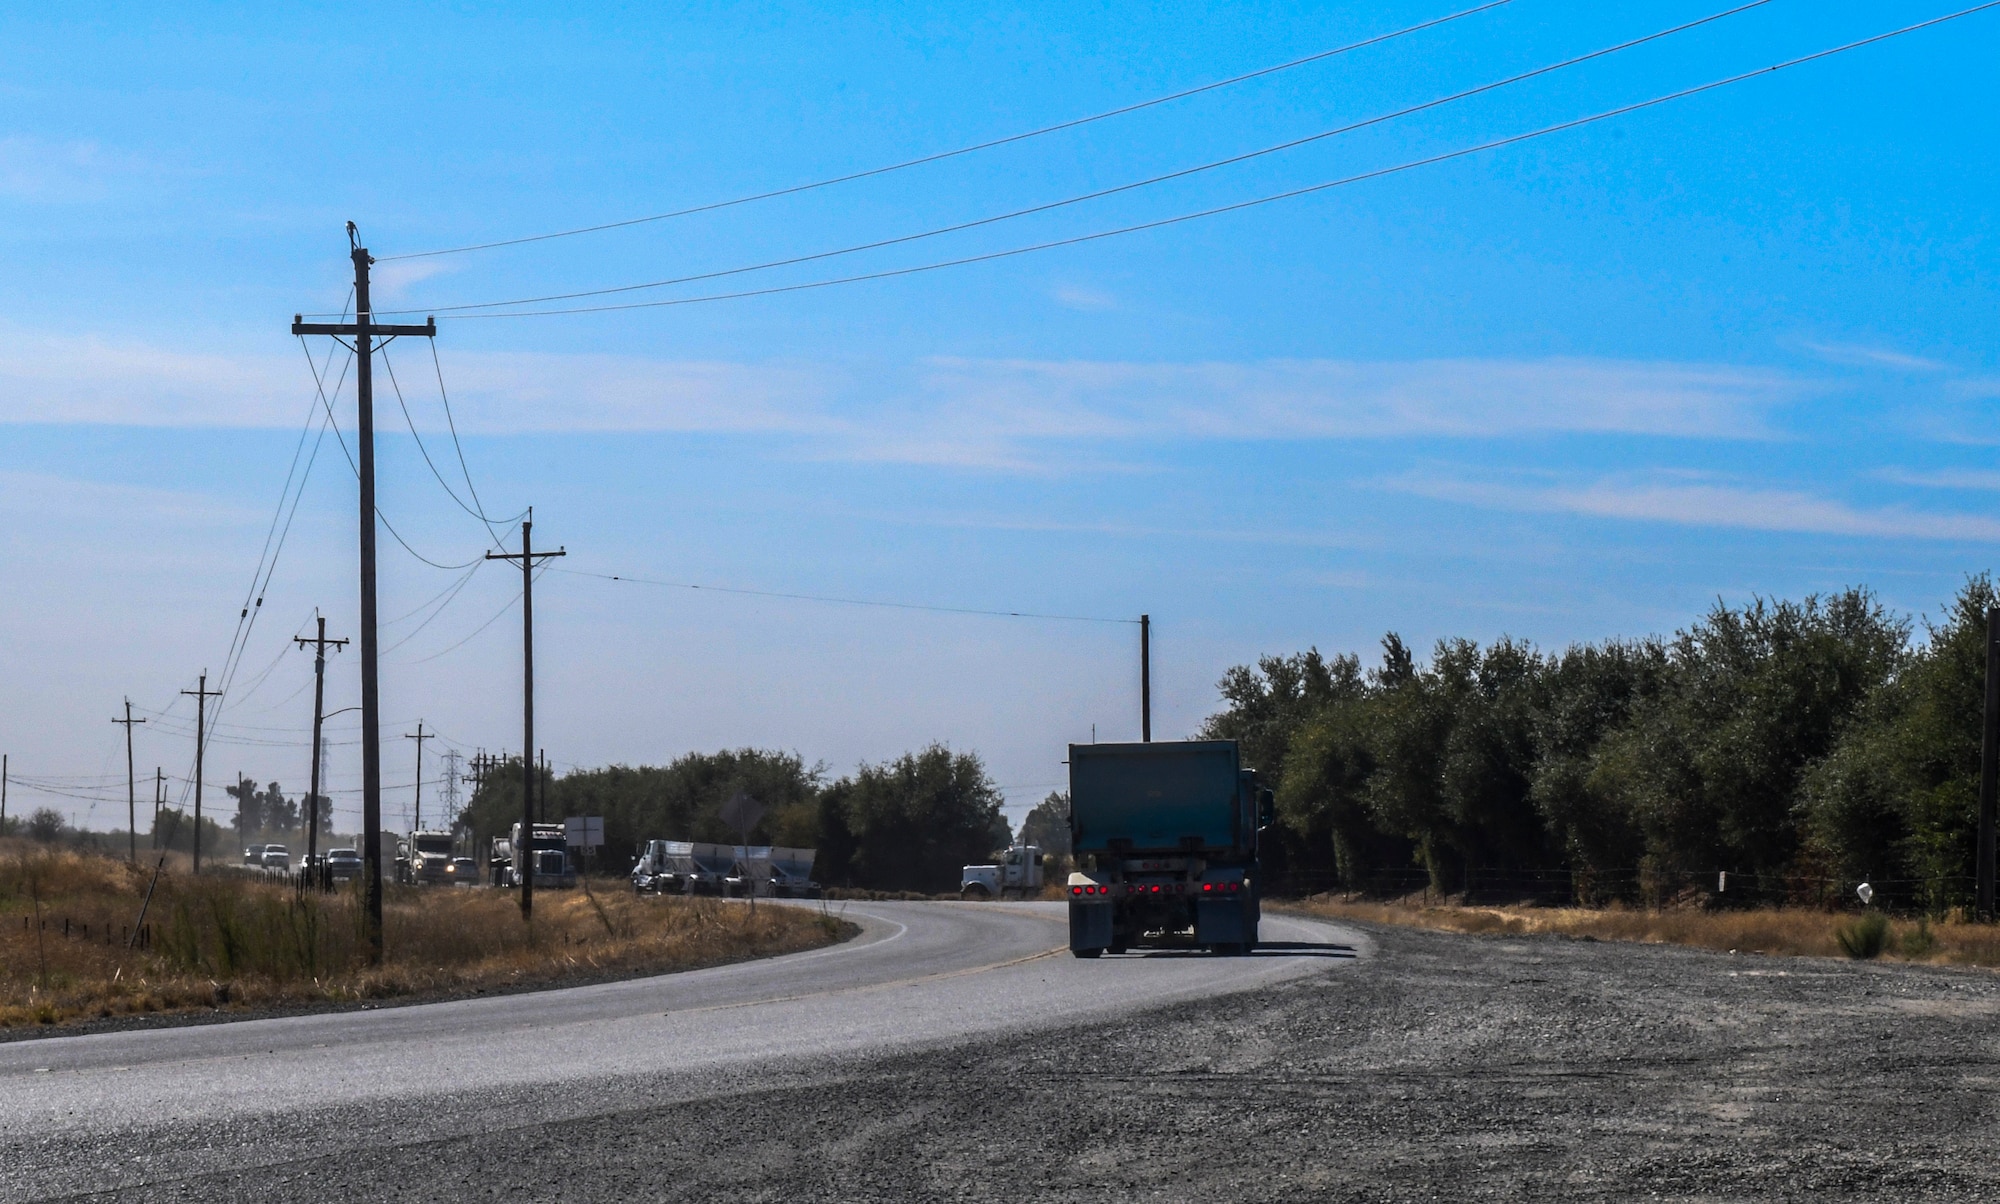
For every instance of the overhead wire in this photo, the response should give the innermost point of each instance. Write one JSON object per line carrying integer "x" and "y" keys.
{"x": 940, "y": 156}
{"x": 762, "y": 593}
{"x": 267, "y": 557}
{"x": 539, "y": 573}
{"x": 451, "y": 424}
{"x": 1101, "y": 193}
{"x": 356, "y": 468}
{"x": 474, "y": 510}
{"x": 1255, "y": 202}
{"x": 429, "y": 619}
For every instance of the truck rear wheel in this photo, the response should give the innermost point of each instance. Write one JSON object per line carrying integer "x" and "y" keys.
{"x": 1085, "y": 952}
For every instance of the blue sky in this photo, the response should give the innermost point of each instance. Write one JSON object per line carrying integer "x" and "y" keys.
{"x": 1572, "y": 388}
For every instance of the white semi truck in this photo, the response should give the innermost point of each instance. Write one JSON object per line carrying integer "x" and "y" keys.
{"x": 1019, "y": 871}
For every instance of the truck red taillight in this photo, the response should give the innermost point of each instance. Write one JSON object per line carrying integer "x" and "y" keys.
{"x": 1076, "y": 890}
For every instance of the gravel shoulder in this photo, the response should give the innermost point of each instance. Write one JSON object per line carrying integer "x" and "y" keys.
{"x": 1442, "y": 1066}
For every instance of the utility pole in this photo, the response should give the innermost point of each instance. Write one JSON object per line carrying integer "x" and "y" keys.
{"x": 159, "y": 800}
{"x": 131, "y": 788}
{"x": 420, "y": 736}
{"x": 364, "y": 329}
{"x": 1146, "y": 679}
{"x": 1989, "y": 766}
{"x": 201, "y": 694}
{"x": 320, "y": 644}
{"x": 3, "y": 793}
{"x": 523, "y": 863}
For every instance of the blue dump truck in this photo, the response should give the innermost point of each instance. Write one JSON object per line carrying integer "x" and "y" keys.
{"x": 1165, "y": 837}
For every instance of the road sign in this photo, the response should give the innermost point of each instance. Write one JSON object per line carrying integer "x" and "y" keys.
{"x": 742, "y": 812}
{"x": 584, "y": 831}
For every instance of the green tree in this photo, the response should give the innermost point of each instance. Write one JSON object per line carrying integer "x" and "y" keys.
{"x": 1898, "y": 796}
{"x": 678, "y": 801}
{"x": 46, "y": 825}
{"x": 916, "y": 820}
{"x": 1047, "y": 826}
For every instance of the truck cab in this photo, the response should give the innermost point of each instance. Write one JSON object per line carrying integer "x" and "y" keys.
{"x": 424, "y": 858}
{"x": 1019, "y": 870}
{"x": 544, "y": 853}
{"x": 664, "y": 866}
{"x": 1166, "y": 839}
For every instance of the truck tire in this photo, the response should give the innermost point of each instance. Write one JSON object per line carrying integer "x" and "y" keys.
{"x": 1085, "y": 952}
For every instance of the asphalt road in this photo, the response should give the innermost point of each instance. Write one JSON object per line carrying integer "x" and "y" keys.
{"x": 171, "y": 1113}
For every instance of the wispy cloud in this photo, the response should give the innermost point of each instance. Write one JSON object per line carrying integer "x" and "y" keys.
{"x": 1856, "y": 355}
{"x": 47, "y": 495}
{"x": 1696, "y": 501}
{"x": 1014, "y": 415}
{"x": 390, "y": 281}
{"x": 1943, "y": 478}
{"x": 1314, "y": 399}
{"x": 34, "y": 169}
{"x": 1088, "y": 300}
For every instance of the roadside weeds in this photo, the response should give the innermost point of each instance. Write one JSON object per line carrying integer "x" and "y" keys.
{"x": 232, "y": 941}
{"x": 1790, "y": 932}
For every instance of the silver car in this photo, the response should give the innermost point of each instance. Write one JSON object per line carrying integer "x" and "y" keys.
{"x": 277, "y": 857}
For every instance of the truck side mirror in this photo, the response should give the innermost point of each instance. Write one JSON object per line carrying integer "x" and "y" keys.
{"x": 1267, "y": 809}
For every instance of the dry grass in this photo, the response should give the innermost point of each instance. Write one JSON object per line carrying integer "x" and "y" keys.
{"x": 1789, "y": 932}
{"x": 231, "y": 940}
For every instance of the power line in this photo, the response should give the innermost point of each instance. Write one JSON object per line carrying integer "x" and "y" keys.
{"x": 481, "y": 628}
{"x": 1255, "y": 202}
{"x": 940, "y": 156}
{"x": 356, "y": 468}
{"x": 1100, "y": 194}
{"x": 761, "y": 593}
{"x": 442, "y": 606}
{"x": 474, "y": 510}
{"x": 451, "y": 424}
{"x": 267, "y": 557}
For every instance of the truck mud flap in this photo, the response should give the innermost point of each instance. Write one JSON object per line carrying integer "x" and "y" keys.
{"x": 1222, "y": 923}
{"x": 1089, "y": 928}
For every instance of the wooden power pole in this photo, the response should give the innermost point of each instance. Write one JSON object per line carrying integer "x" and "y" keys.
{"x": 131, "y": 788}
{"x": 320, "y": 644}
{"x": 201, "y": 694}
{"x": 523, "y": 863}
{"x": 1989, "y": 768}
{"x": 364, "y": 330}
{"x": 420, "y": 735}
{"x": 1146, "y": 678}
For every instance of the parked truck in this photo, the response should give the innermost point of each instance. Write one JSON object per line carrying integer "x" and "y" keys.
{"x": 1165, "y": 837}
{"x": 1019, "y": 870}
{"x": 665, "y": 866}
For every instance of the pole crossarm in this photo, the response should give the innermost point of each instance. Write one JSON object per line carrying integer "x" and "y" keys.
{"x": 380, "y": 330}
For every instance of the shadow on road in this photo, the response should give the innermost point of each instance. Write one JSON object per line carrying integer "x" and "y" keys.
{"x": 1264, "y": 949}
